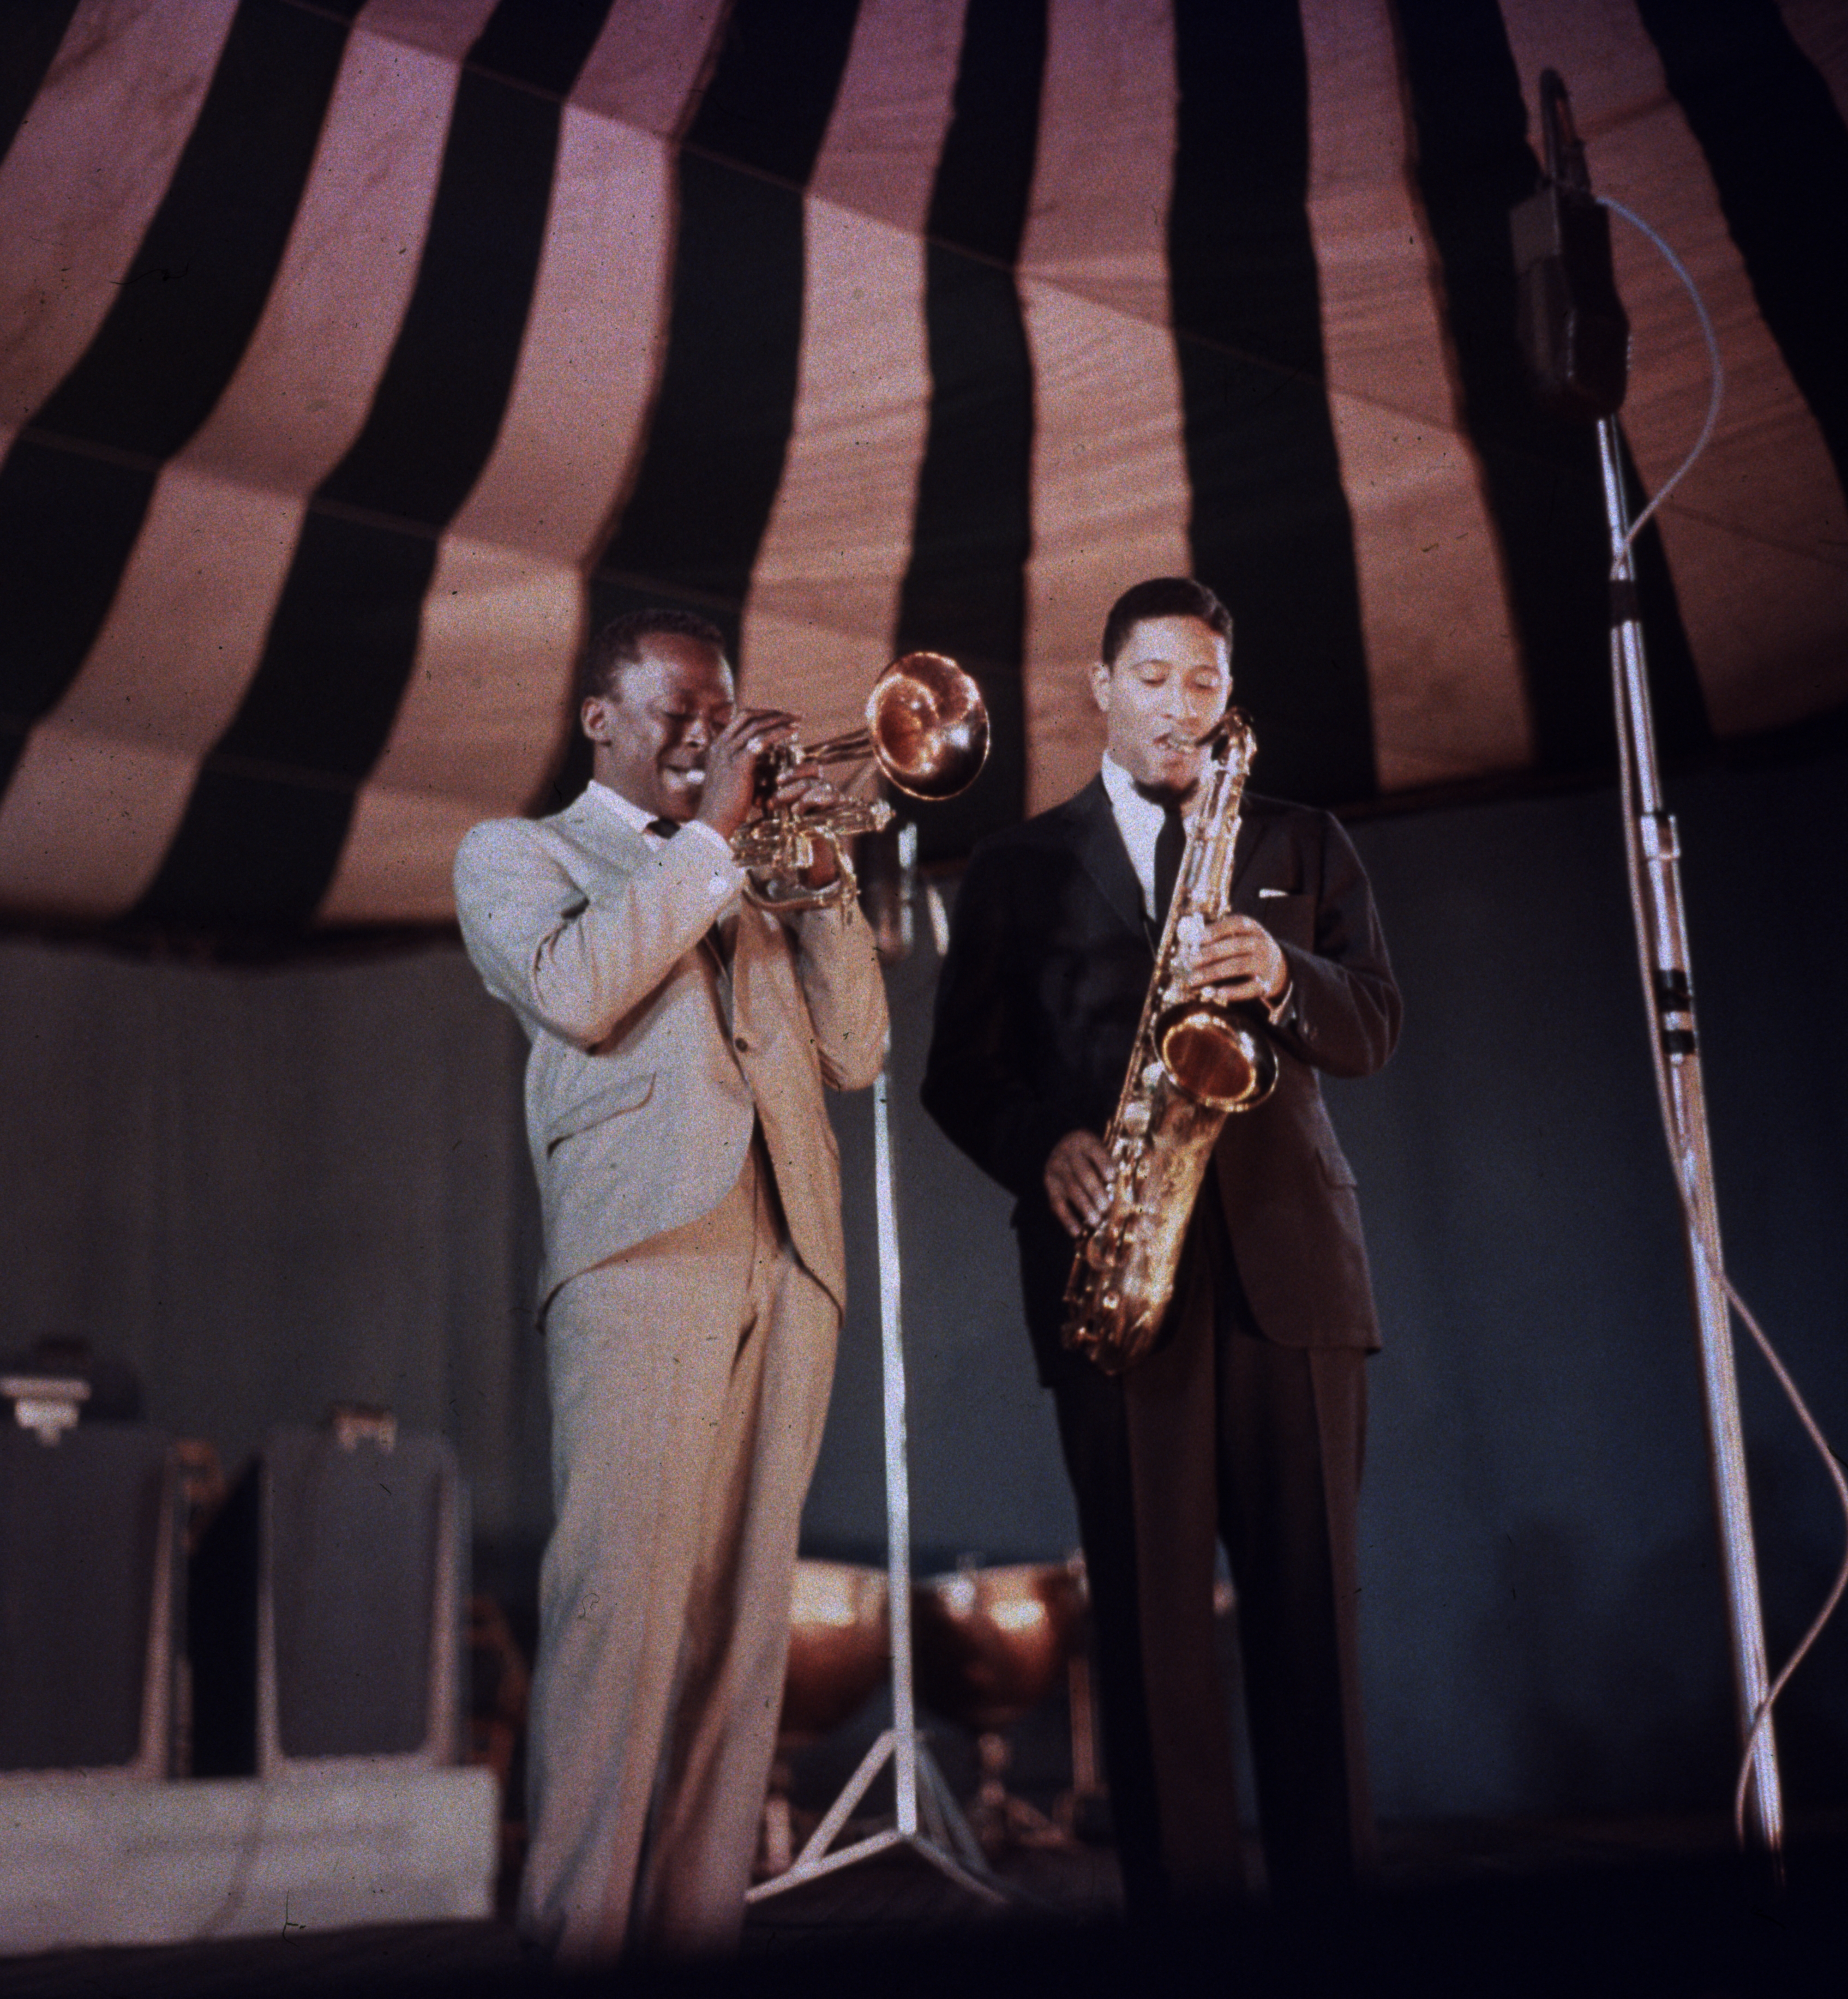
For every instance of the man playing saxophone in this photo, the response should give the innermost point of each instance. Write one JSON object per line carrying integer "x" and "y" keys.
{"x": 1244, "y": 1426}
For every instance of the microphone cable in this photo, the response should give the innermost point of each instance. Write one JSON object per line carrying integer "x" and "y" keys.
{"x": 1717, "y": 375}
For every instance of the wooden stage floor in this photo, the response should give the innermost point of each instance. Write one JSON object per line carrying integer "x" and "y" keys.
{"x": 1637, "y": 1906}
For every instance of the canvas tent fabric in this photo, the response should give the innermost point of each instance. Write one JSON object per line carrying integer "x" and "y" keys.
{"x": 355, "y": 359}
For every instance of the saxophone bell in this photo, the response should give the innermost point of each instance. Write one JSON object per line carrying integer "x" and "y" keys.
{"x": 1219, "y": 1061}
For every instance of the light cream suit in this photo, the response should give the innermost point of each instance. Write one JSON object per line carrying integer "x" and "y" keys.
{"x": 692, "y": 1291}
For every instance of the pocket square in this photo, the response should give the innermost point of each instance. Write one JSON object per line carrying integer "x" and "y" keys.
{"x": 1263, "y": 893}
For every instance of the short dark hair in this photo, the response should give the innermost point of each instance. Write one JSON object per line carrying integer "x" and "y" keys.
{"x": 619, "y": 645}
{"x": 1162, "y": 597}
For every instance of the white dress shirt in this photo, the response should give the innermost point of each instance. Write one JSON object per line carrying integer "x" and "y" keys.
{"x": 1139, "y": 820}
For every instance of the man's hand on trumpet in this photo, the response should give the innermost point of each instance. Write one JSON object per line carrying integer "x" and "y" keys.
{"x": 734, "y": 791}
{"x": 803, "y": 790}
{"x": 732, "y": 757}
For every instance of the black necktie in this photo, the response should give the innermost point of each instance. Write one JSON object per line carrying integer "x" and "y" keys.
{"x": 664, "y": 829}
{"x": 1169, "y": 844}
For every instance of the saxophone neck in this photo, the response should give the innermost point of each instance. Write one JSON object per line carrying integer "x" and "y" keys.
{"x": 1229, "y": 741}
{"x": 1212, "y": 827}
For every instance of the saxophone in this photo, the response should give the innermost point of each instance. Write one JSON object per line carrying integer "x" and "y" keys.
{"x": 1194, "y": 1061}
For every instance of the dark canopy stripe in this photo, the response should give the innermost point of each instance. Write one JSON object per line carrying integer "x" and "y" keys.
{"x": 75, "y": 487}
{"x": 965, "y": 591}
{"x": 542, "y": 43}
{"x": 361, "y": 372}
{"x": 1269, "y": 526}
{"x": 1783, "y": 179}
{"x": 695, "y": 519}
{"x": 30, "y": 38}
{"x": 1473, "y": 165}
{"x": 262, "y": 832}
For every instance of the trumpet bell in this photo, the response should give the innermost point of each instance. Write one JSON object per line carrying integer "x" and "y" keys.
{"x": 929, "y": 725}
{"x": 927, "y": 728}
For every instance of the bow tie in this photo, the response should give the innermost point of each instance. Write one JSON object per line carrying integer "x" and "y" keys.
{"x": 664, "y": 829}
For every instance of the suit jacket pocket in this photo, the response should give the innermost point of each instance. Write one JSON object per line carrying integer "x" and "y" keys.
{"x": 604, "y": 1097}
{"x": 1290, "y": 919}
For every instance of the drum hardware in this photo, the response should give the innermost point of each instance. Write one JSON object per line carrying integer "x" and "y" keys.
{"x": 992, "y": 1644}
{"x": 839, "y": 1647}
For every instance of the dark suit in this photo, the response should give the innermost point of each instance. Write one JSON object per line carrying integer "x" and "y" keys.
{"x": 1247, "y": 1422}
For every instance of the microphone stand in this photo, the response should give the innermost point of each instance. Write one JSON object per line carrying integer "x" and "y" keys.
{"x": 1653, "y": 847}
{"x": 1573, "y": 327}
{"x": 926, "y": 1819}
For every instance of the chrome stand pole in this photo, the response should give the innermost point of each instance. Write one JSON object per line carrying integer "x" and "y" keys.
{"x": 926, "y": 1818}
{"x": 1653, "y": 846}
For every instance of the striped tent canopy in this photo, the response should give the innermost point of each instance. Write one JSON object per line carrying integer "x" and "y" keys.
{"x": 355, "y": 359}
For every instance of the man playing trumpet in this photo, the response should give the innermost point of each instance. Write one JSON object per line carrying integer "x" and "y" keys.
{"x": 1244, "y": 1426}
{"x": 692, "y": 1283}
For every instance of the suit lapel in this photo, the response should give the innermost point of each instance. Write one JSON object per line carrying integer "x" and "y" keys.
{"x": 1103, "y": 856}
{"x": 617, "y": 846}
{"x": 1251, "y": 837}
{"x": 609, "y": 837}
{"x": 1258, "y": 828}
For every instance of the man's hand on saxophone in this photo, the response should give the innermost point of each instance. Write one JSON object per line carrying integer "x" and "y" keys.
{"x": 1078, "y": 1181}
{"x": 1230, "y": 957}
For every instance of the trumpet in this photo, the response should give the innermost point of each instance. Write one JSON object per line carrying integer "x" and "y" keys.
{"x": 926, "y": 727}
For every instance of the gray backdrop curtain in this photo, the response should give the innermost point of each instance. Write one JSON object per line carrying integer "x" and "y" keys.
{"x": 270, "y": 1189}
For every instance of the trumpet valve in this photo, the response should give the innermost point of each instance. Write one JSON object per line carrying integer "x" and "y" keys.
{"x": 774, "y": 763}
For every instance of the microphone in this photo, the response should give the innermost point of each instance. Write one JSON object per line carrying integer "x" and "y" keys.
{"x": 1574, "y": 333}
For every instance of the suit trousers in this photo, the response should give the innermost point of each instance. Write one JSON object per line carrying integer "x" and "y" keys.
{"x": 1222, "y": 1437}
{"x": 689, "y": 1379}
